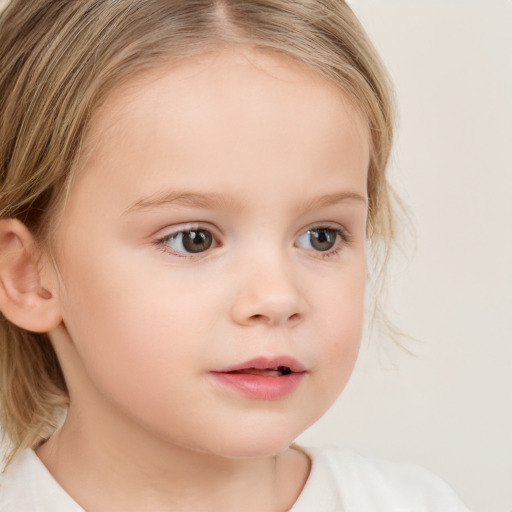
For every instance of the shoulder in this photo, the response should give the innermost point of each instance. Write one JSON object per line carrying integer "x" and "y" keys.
{"x": 27, "y": 486}
{"x": 361, "y": 484}
{"x": 14, "y": 484}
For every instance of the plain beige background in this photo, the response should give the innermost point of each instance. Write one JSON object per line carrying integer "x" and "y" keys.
{"x": 450, "y": 408}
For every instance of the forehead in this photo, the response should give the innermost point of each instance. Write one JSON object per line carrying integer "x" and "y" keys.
{"x": 218, "y": 117}
{"x": 220, "y": 86}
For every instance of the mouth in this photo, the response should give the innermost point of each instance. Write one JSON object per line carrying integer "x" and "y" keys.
{"x": 279, "y": 371}
{"x": 262, "y": 378}
{"x": 264, "y": 366}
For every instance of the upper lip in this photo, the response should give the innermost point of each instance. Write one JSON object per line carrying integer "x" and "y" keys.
{"x": 265, "y": 363}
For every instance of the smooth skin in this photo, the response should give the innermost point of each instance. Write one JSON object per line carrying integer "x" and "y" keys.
{"x": 261, "y": 159}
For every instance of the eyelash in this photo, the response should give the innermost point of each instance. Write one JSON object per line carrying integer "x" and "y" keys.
{"x": 343, "y": 239}
{"x": 162, "y": 243}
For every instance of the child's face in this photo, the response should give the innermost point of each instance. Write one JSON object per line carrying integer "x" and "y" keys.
{"x": 220, "y": 217}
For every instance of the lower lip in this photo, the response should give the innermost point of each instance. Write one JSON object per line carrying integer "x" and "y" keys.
{"x": 260, "y": 387}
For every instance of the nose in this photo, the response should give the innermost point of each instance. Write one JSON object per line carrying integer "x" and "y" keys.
{"x": 268, "y": 294}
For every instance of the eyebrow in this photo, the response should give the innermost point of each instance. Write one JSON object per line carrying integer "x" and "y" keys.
{"x": 213, "y": 201}
{"x": 209, "y": 201}
{"x": 331, "y": 199}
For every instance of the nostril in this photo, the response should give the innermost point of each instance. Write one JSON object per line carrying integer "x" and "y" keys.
{"x": 259, "y": 317}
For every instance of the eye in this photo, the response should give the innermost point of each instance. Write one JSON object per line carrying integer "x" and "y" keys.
{"x": 319, "y": 239}
{"x": 190, "y": 241}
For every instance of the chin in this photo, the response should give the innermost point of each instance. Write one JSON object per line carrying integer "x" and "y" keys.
{"x": 257, "y": 442}
{"x": 253, "y": 450}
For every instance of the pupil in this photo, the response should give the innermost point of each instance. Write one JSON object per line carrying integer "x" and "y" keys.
{"x": 322, "y": 239}
{"x": 197, "y": 241}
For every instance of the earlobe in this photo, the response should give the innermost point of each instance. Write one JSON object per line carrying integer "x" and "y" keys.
{"x": 24, "y": 299}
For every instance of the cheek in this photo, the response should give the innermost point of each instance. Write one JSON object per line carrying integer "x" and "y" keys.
{"x": 127, "y": 327}
{"x": 341, "y": 315}
{"x": 138, "y": 328}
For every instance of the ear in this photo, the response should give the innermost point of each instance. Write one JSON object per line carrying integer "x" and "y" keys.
{"x": 25, "y": 300}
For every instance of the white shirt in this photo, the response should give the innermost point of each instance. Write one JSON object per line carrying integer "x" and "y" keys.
{"x": 340, "y": 481}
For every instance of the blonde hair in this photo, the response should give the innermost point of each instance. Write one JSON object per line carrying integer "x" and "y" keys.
{"x": 59, "y": 60}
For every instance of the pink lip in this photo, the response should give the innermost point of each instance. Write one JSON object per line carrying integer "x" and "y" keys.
{"x": 262, "y": 363}
{"x": 261, "y": 387}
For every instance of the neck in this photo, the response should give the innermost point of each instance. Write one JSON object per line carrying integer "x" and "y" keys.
{"x": 107, "y": 466}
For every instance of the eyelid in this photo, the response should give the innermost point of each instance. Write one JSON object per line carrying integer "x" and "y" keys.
{"x": 170, "y": 232}
{"x": 335, "y": 226}
{"x": 174, "y": 229}
{"x": 343, "y": 238}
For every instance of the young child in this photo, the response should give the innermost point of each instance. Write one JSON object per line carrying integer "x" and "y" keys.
{"x": 187, "y": 194}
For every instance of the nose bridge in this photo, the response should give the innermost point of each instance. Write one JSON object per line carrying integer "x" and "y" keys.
{"x": 268, "y": 290}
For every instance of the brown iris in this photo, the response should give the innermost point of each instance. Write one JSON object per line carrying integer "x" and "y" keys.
{"x": 197, "y": 240}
